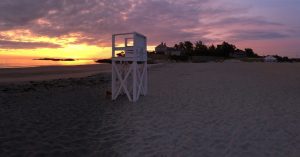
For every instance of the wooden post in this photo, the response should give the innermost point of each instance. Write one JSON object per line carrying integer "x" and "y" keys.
{"x": 134, "y": 81}
{"x": 113, "y": 76}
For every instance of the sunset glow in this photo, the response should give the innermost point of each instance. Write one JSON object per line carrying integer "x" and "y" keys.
{"x": 67, "y": 29}
{"x": 59, "y": 47}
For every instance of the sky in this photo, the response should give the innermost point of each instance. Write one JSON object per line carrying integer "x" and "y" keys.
{"x": 83, "y": 28}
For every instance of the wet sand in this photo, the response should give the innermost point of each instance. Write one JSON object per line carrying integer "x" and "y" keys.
{"x": 50, "y": 72}
{"x": 211, "y": 109}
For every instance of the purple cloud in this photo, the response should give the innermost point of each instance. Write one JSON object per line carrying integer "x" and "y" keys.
{"x": 5, "y": 44}
{"x": 257, "y": 35}
{"x": 160, "y": 20}
{"x": 19, "y": 13}
{"x": 252, "y": 21}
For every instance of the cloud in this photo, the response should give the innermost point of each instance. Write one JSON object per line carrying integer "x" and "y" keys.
{"x": 98, "y": 19}
{"x": 245, "y": 21}
{"x": 5, "y": 44}
{"x": 257, "y": 35}
{"x": 18, "y": 13}
{"x": 160, "y": 20}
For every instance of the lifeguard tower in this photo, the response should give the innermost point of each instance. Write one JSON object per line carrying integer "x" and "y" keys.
{"x": 129, "y": 65}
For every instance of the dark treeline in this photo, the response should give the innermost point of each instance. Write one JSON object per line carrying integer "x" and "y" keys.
{"x": 285, "y": 59}
{"x": 187, "y": 48}
{"x": 222, "y": 51}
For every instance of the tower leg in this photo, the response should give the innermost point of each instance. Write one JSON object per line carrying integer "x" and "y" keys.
{"x": 134, "y": 83}
{"x": 145, "y": 79}
{"x": 113, "y": 85}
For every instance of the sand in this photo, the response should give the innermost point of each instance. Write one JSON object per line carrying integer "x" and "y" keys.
{"x": 211, "y": 109}
{"x": 50, "y": 72}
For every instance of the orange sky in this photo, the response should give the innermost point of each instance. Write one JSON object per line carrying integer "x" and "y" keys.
{"x": 69, "y": 48}
{"x": 72, "y": 29}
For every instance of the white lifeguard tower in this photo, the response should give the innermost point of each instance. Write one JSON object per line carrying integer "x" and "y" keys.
{"x": 129, "y": 65}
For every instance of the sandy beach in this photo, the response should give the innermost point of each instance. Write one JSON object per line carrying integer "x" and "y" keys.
{"x": 50, "y": 72}
{"x": 209, "y": 110}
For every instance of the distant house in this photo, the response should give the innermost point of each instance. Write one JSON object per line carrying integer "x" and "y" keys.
{"x": 165, "y": 50}
{"x": 270, "y": 59}
{"x": 238, "y": 54}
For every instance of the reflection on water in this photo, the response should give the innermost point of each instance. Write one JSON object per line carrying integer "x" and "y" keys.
{"x": 27, "y": 62}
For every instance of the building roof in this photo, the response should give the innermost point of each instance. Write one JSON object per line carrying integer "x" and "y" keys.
{"x": 270, "y": 57}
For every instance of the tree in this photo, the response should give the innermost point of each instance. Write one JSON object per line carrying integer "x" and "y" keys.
{"x": 282, "y": 59}
{"x": 212, "y": 50}
{"x": 180, "y": 46}
{"x": 176, "y": 46}
{"x": 200, "y": 49}
{"x": 249, "y": 52}
{"x": 225, "y": 49}
{"x": 188, "y": 47}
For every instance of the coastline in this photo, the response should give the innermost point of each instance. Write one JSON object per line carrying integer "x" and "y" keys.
{"x": 29, "y": 62}
{"x": 42, "y": 73}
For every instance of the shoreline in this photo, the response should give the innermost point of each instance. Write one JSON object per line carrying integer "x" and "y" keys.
{"x": 43, "y": 66}
{"x": 41, "y": 73}
{"x": 44, "y": 73}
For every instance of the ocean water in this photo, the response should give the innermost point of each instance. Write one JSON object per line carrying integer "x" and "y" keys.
{"x": 28, "y": 62}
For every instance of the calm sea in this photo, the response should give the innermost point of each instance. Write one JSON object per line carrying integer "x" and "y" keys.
{"x": 28, "y": 62}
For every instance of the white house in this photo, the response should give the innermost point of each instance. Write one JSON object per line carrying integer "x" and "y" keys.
{"x": 164, "y": 49}
{"x": 270, "y": 59}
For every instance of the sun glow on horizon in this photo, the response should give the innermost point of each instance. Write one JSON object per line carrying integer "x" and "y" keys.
{"x": 70, "y": 51}
{"x": 66, "y": 46}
